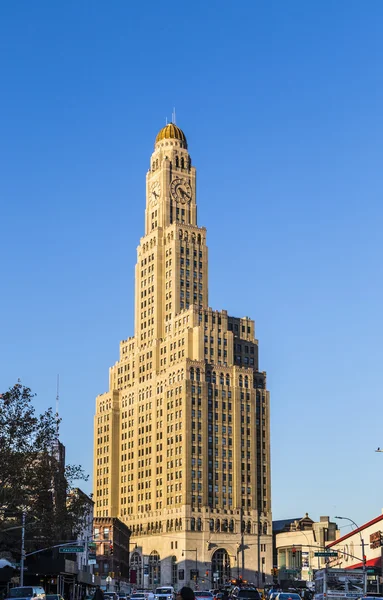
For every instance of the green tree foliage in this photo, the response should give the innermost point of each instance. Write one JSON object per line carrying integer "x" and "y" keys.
{"x": 34, "y": 478}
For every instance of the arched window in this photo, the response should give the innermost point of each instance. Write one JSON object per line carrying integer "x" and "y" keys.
{"x": 231, "y": 525}
{"x": 192, "y": 374}
{"x": 227, "y": 379}
{"x": 217, "y": 525}
{"x": 199, "y": 524}
{"x": 182, "y": 162}
{"x": 243, "y": 526}
{"x": 265, "y": 529}
{"x": 208, "y": 376}
{"x": 225, "y": 525}
{"x": 198, "y": 375}
{"x": 246, "y": 382}
{"x": 177, "y": 162}
{"x": 214, "y": 378}
{"x": 221, "y": 379}
{"x": 211, "y": 524}
{"x": 154, "y": 568}
{"x": 220, "y": 566}
{"x": 176, "y": 523}
{"x": 180, "y": 524}
{"x": 136, "y": 565}
{"x": 240, "y": 381}
{"x": 192, "y": 524}
{"x": 248, "y": 528}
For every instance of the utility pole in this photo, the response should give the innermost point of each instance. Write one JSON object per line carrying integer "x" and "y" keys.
{"x": 22, "y": 558}
{"x": 242, "y": 544}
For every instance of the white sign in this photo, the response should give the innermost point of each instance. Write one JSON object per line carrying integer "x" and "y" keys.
{"x": 305, "y": 561}
{"x": 108, "y": 579}
{"x": 92, "y": 561}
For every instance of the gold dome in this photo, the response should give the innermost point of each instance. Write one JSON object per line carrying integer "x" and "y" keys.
{"x": 172, "y": 132}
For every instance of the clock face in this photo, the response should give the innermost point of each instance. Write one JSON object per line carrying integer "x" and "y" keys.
{"x": 180, "y": 190}
{"x": 155, "y": 192}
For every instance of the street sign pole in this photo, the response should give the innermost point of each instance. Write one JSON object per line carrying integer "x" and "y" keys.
{"x": 22, "y": 550}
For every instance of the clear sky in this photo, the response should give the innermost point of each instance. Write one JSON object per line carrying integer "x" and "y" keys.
{"x": 281, "y": 103}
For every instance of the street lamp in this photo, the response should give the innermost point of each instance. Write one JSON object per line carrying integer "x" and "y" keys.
{"x": 362, "y": 544}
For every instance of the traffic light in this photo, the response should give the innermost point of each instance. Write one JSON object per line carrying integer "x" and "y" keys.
{"x": 111, "y": 548}
{"x": 206, "y": 573}
{"x": 293, "y": 550}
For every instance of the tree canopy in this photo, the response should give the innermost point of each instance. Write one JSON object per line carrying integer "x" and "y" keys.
{"x": 34, "y": 478}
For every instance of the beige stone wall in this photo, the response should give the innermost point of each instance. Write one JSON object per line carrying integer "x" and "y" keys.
{"x": 187, "y": 413}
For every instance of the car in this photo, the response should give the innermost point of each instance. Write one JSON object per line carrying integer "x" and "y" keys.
{"x": 54, "y": 597}
{"x": 246, "y": 594}
{"x": 27, "y": 593}
{"x": 110, "y": 595}
{"x": 122, "y": 596}
{"x": 288, "y": 596}
{"x": 137, "y": 596}
{"x": 164, "y": 593}
{"x": 203, "y": 595}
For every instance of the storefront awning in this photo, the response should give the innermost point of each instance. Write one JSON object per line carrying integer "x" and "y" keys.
{"x": 373, "y": 562}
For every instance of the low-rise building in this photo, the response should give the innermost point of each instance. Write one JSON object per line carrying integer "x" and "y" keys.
{"x": 298, "y": 542}
{"x": 366, "y": 540}
{"x": 112, "y": 538}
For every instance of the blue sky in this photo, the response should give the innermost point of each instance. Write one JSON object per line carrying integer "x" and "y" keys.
{"x": 282, "y": 106}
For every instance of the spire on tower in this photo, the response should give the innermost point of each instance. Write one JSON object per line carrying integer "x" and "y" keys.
{"x": 57, "y": 406}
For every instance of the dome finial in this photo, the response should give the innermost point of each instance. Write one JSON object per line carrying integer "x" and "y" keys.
{"x": 172, "y": 132}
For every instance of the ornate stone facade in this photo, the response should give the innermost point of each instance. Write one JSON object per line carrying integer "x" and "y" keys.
{"x": 181, "y": 444}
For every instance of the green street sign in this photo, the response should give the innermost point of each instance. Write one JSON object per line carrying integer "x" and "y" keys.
{"x": 326, "y": 554}
{"x": 71, "y": 549}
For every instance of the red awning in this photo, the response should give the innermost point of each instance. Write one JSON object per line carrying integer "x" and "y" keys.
{"x": 373, "y": 562}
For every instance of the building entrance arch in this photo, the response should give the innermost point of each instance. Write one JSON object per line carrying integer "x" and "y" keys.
{"x": 136, "y": 565}
{"x": 154, "y": 568}
{"x": 220, "y": 567}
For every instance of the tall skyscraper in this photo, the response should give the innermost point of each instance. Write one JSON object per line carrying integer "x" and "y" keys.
{"x": 182, "y": 438}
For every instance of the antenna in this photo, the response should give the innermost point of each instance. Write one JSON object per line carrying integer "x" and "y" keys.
{"x": 166, "y": 120}
{"x": 174, "y": 116}
{"x": 57, "y": 406}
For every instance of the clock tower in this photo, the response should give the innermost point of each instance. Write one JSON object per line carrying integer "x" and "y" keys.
{"x": 170, "y": 218}
{"x": 170, "y": 182}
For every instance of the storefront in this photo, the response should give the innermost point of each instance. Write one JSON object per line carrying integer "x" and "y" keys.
{"x": 362, "y": 546}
